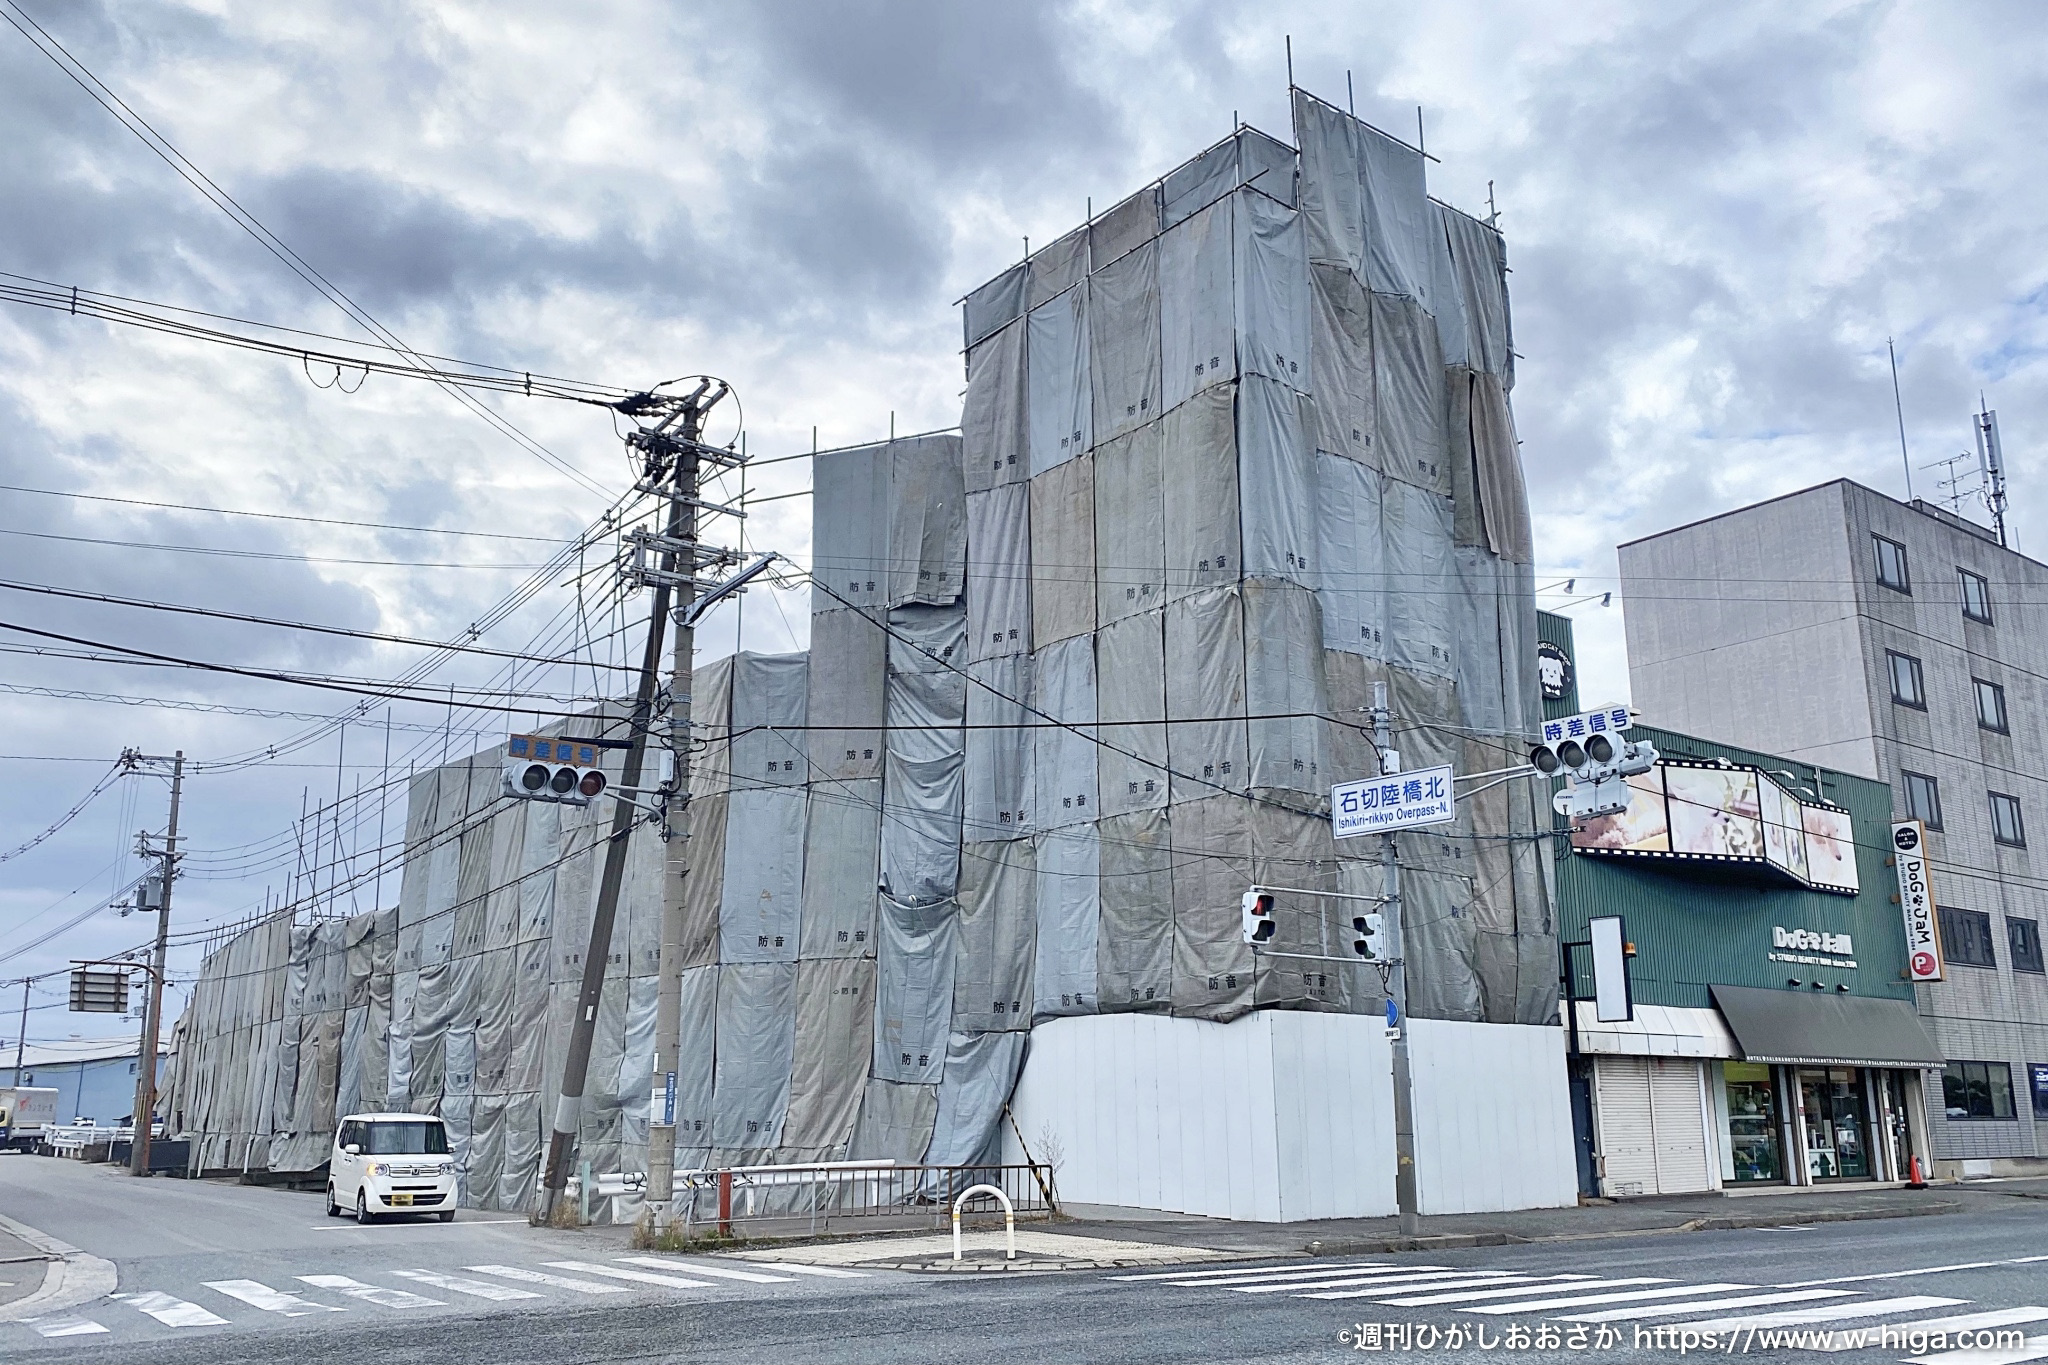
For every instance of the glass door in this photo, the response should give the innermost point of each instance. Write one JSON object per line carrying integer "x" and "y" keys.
{"x": 1752, "y": 1121}
{"x": 1836, "y": 1126}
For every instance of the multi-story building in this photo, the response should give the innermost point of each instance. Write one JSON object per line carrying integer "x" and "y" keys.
{"x": 1844, "y": 628}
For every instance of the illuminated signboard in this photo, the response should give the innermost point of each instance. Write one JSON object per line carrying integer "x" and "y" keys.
{"x": 1707, "y": 812}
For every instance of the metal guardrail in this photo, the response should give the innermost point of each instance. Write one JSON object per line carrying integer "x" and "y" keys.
{"x": 820, "y": 1193}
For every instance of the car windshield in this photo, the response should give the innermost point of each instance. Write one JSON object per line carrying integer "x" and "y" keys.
{"x": 406, "y": 1139}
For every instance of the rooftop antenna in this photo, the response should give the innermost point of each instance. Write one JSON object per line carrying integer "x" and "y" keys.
{"x": 1899, "y": 407}
{"x": 1289, "y": 38}
{"x": 1492, "y": 211}
{"x": 1350, "y": 99}
{"x": 1420, "y": 145}
{"x": 1991, "y": 464}
{"x": 1957, "y": 495}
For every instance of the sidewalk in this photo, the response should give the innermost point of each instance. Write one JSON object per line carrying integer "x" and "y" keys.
{"x": 21, "y": 1267}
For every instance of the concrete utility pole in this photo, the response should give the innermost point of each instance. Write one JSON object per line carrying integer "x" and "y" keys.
{"x": 1396, "y": 982}
{"x": 152, "y": 1014}
{"x": 673, "y": 455}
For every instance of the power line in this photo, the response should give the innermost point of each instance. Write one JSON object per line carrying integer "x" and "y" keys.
{"x": 113, "y": 775}
{"x": 276, "y": 516}
{"x": 274, "y": 556}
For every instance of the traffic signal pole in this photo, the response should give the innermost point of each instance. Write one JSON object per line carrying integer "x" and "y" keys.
{"x": 1397, "y": 984}
{"x": 672, "y": 451}
{"x": 152, "y": 1014}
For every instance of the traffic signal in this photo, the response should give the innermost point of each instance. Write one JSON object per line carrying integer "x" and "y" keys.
{"x": 541, "y": 769}
{"x": 1369, "y": 936}
{"x": 1259, "y": 924}
{"x": 1591, "y": 750}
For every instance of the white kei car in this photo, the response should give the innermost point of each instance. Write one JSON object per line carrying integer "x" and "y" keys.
{"x": 391, "y": 1163}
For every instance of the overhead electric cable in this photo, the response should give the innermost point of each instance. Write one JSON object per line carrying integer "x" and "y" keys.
{"x": 278, "y": 516}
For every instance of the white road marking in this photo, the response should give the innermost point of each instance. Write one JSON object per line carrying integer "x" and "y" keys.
{"x": 1924, "y": 1270}
{"x": 1337, "y": 1290}
{"x": 621, "y": 1273}
{"x": 370, "y": 1293}
{"x": 825, "y": 1270}
{"x": 1420, "y": 1280}
{"x": 351, "y": 1225}
{"x": 1828, "y": 1312}
{"x": 270, "y": 1300}
{"x": 1277, "y": 1271}
{"x": 171, "y": 1312}
{"x": 1578, "y": 1299}
{"x": 2033, "y": 1349}
{"x": 513, "y": 1272}
{"x": 718, "y": 1272}
{"x": 65, "y": 1327}
{"x": 1665, "y": 1310}
{"x": 1473, "y": 1291}
{"x": 480, "y": 1288}
{"x": 1927, "y": 1327}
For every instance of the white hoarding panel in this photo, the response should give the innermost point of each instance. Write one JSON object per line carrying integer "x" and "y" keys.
{"x": 1380, "y": 805}
{"x": 1611, "y": 1002}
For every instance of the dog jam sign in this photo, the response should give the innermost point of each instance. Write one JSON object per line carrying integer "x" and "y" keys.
{"x": 1916, "y": 901}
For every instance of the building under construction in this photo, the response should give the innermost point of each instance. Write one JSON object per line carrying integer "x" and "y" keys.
{"x": 966, "y": 875}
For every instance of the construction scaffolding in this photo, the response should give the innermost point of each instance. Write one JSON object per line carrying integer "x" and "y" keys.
{"x": 1232, "y": 452}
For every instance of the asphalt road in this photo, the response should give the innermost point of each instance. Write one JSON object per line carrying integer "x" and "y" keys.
{"x": 224, "y": 1273}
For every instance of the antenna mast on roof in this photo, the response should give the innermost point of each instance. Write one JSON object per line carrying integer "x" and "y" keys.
{"x": 1899, "y": 407}
{"x": 1991, "y": 464}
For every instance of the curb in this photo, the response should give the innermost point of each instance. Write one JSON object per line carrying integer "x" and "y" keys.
{"x": 70, "y": 1277}
{"x": 1379, "y": 1246}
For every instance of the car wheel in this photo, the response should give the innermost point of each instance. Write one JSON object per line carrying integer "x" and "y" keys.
{"x": 363, "y": 1214}
{"x": 446, "y": 1215}
{"x": 333, "y": 1209}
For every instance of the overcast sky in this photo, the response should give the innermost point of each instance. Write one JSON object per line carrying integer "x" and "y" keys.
{"x": 1716, "y": 215}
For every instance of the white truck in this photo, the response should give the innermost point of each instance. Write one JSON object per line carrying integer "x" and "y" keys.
{"x": 25, "y": 1110}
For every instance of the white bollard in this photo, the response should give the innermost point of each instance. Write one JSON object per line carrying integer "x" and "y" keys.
{"x": 1009, "y": 1218}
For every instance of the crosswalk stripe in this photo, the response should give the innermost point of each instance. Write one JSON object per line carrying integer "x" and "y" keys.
{"x": 1187, "y": 1276}
{"x": 715, "y": 1271}
{"x": 370, "y": 1293}
{"x": 1417, "y": 1280}
{"x": 1927, "y": 1327}
{"x": 621, "y": 1273}
{"x": 171, "y": 1312}
{"x": 1666, "y": 1310}
{"x": 1337, "y": 1290}
{"x": 259, "y": 1295}
{"x": 1586, "y": 1282}
{"x": 1581, "y": 1300}
{"x": 832, "y": 1272}
{"x": 1455, "y": 1291}
{"x": 65, "y": 1327}
{"x": 479, "y": 1288}
{"x": 513, "y": 1272}
{"x": 2034, "y": 1348}
{"x": 1827, "y": 1312}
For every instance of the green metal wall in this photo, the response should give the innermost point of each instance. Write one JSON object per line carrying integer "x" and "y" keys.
{"x": 1701, "y": 924}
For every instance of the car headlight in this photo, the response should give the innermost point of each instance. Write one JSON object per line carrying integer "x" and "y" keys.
{"x": 447, "y": 1168}
{"x": 379, "y": 1168}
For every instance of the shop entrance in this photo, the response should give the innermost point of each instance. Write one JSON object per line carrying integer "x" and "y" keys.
{"x": 1752, "y": 1121}
{"x": 1837, "y": 1123}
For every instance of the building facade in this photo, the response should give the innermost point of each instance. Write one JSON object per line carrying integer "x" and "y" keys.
{"x": 1901, "y": 643}
{"x": 94, "y": 1077}
{"x": 1773, "y": 1039}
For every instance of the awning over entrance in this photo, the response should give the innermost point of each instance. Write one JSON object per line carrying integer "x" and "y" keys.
{"x": 1833, "y": 1030}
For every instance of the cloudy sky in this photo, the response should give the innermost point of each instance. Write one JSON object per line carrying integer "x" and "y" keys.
{"x": 1716, "y": 216}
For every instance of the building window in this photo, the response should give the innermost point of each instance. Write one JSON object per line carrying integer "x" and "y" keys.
{"x": 1923, "y": 799}
{"x": 1966, "y": 937}
{"x": 2025, "y": 937}
{"x": 2005, "y": 820}
{"x": 1909, "y": 688}
{"x": 2039, "y": 1076}
{"x": 1991, "y": 706}
{"x": 1977, "y": 1090}
{"x": 1891, "y": 564}
{"x": 1976, "y": 596}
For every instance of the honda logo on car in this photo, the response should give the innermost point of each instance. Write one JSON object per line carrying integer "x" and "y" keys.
{"x": 1916, "y": 901}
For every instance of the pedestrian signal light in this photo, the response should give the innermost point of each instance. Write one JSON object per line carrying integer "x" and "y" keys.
{"x": 542, "y": 769}
{"x": 1259, "y": 924}
{"x": 1369, "y": 936}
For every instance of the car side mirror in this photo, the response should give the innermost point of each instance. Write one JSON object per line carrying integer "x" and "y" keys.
{"x": 352, "y": 1150}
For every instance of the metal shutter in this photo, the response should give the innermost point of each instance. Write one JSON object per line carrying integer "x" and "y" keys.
{"x": 1628, "y": 1143}
{"x": 1680, "y": 1123}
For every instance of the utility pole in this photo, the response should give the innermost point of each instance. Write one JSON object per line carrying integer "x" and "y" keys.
{"x": 1396, "y": 982}
{"x": 21, "y": 1038}
{"x": 152, "y": 1014}
{"x": 673, "y": 457}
